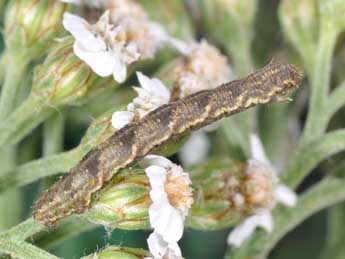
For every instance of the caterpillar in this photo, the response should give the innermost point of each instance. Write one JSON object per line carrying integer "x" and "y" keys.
{"x": 73, "y": 192}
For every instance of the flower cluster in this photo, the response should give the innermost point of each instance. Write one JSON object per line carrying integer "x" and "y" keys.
{"x": 122, "y": 36}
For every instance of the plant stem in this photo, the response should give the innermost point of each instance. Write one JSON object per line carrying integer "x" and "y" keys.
{"x": 323, "y": 195}
{"x": 308, "y": 156}
{"x": 23, "y": 230}
{"x": 320, "y": 84}
{"x": 40, "y": 168}
{"x": 31, "y": 109}
{"x": 53, "y": 135}
{"x": 14, "y": 73}
{"x": 24, "y": 250}
{"x": 335, "y": 101}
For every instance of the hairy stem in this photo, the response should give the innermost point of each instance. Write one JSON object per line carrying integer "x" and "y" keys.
{"x": 14, "y": 73}
{"x": 40, "y": 168}
{"x": 31, "y": 109}
{"x": 310, "y": 155}
{"x": 320, "y": 84}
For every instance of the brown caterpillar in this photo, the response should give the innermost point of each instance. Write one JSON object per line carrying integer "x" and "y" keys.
{"x": 72, "y": 193}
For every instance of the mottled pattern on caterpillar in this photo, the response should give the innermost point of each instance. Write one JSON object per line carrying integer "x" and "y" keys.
{"x": 72, "y": 193}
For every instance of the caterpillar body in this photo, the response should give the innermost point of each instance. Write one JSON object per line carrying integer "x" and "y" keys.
{"x": 73, "y": 192}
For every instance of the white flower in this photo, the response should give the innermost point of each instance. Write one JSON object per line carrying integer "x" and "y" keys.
{"x": 102, "y": 46}
{"x": 263, "y": 192}
{"x": 121, "y": 119}
{"x": 195, "y": 149}
{"x": 151, "y": 95}
{"x": 171, "y": 197}
{"x": 161, "y": 249}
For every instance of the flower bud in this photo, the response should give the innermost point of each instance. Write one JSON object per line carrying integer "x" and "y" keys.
{"x": 226, "y": 193}
{"x": 124, "y": 202}
{"x": 63, "y": 78}
{"x": 30, "y": 26}
{"x": 117, "y": 252}
{"x": 299, "y": 21}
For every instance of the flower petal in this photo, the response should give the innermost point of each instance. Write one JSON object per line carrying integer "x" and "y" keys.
{"x": 257, "y": 149}
{"x": 243, "y": 231}
{"x": 155, "y": 160}
{"x": 167, "y": 221}
{"x": 157, "y": 246}
{"x": 285, "y": 195}
{"x": 154, "y": 86}
{"x": 121, "y": 119}
{"x": 195, "y": 150}
{"x": 78, "y": 27}
{"x": 161, "y": 249}
{"x": 101, "y": 62}
{"x": 265, "y": 221}
{"x": 157, "y": 175}
{"x": 119, "y": 70}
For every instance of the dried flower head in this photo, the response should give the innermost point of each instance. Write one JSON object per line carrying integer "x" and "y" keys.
{"x": 261, "y": 191}
{"x": 203, "y": 67}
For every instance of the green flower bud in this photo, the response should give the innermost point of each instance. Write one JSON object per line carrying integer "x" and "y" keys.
{"x": 63, "y": 78}
{"x": 223, "y": 195}
{"x": 117, "y": 252}
{"x": 299, "y": 20}
{"x": 124, "y": 202}
{"x": 30, "y": 26}
{"x": 215, "y": 184}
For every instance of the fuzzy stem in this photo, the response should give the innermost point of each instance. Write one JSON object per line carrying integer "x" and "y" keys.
{"x": 310, "y": 155}
{"x": 335, "y": 101}
{"x": 15, "y": 70}
{"x": 53, "y": 135}
{"x": 320, "y": 84}
{"x": 40, "y": 168}
{"x": 31, "y": 109}
{"x": 323, "y": 195}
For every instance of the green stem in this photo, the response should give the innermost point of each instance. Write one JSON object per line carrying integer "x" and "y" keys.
{"x": 24, "y": 250}
{"x": 320, "y": 84}
{"x": 53, "y": 135}
{"x": 69, "y": 228}
{"x": 240, "y": 54}
{"x": 23, "y": 230}
{"x": 40, "y": 168}
{"x": 31, "y": 109}
{"x": 323, "y": 195}
{"x": 15, "y": 69}
{"x": 335, "y": 101}
{"x": 2, "y": 67}
{"x": 310, "y": 155}
{"x": 335, "y": 233}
